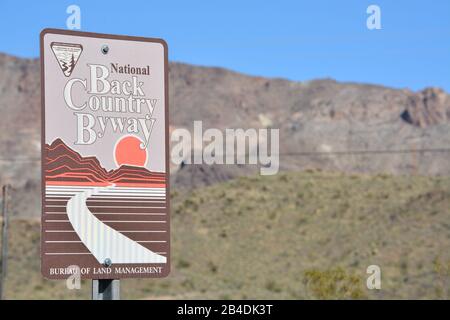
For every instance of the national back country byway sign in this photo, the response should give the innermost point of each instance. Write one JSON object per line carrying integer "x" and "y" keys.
{"x": 105, "y": 169}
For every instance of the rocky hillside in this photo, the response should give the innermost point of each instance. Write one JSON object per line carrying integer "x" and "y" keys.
{"x": 319, "y": 121}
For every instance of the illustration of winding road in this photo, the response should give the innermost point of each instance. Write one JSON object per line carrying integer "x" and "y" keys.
{"x": 101, "y": 240}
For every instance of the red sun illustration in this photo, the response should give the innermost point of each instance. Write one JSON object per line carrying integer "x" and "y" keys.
{"x": 129, "y": 152}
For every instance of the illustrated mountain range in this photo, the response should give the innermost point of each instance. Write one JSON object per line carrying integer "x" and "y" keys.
{"x": 66, "y": 166}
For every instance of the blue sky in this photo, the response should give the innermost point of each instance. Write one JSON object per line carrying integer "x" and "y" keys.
{"x": 298, "y": 40}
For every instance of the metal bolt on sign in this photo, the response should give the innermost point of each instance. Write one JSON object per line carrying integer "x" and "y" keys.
{"x": 105, "y": 49}
{"x": 107, "y": 262}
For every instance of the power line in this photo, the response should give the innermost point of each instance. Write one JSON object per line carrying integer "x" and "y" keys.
{"x": 307, "y": 153}
{"x": 20, "y": 159}
{"x": 357, "y": 152}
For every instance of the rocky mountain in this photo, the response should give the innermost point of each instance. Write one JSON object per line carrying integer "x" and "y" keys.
{"x": 323, "y": 124}
{"x": 66, "y": 166}
{"x": 429, "y": 107}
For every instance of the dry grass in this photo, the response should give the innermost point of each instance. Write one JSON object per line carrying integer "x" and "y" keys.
{"x": 294, "y": 236}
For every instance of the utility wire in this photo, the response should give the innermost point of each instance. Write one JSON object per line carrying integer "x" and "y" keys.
{"x": 308, "y": 153}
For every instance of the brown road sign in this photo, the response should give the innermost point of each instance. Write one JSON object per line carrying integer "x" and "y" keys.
{"x": 105, "y": 169}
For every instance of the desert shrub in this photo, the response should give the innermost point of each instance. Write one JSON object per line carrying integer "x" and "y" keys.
{"x": 272, "y": 286}
{"x": 333, "y": 284}
{"x": 442, "y": 272}
{"x": 183, "y": 264}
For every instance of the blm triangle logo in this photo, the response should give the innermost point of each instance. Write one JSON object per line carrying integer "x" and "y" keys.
{"x": 67, "y": 55}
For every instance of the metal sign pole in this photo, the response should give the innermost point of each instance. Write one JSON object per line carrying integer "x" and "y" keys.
{"x": 106, "y": 289}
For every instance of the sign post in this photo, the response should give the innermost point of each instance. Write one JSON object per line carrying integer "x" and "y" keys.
{"x": 106, "y": 289}
{"x": 105, "y": 158}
